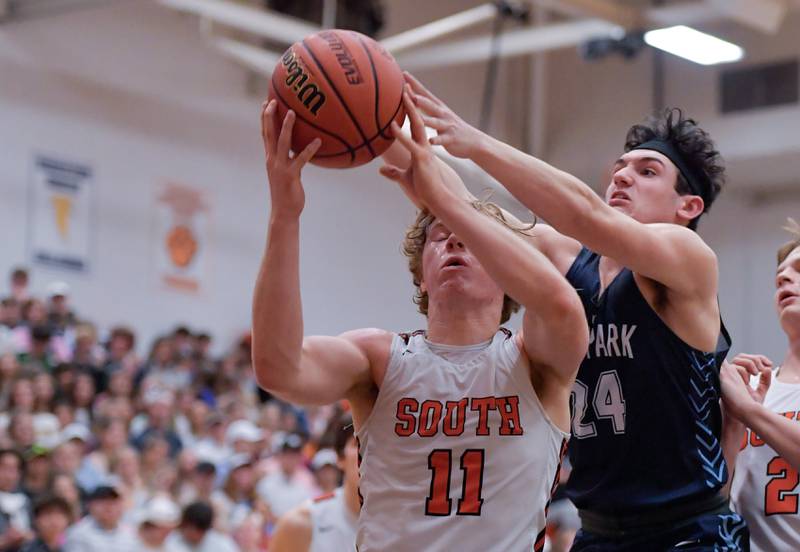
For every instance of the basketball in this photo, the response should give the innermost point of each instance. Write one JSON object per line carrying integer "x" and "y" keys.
{"x": 346, "y": 90}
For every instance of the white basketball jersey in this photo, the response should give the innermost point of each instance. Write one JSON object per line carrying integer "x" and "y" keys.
{"x": 333, "y": 525}
{"x": 457, "y": 454}
{"x": 765, "y": 487}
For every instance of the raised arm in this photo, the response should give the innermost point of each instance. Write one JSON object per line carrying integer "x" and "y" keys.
{"x": 555, "y": 332}
{"x": 314, "y": 370}
{"x": 746, "y": 404}
{"x": 669, "y": 254}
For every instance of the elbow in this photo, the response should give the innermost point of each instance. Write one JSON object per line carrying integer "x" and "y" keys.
{"x": 567, "y": 308}
{"x": 268, "y": 374}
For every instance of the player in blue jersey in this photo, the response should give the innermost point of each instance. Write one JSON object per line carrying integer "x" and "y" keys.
{"x": 647, "y": 459}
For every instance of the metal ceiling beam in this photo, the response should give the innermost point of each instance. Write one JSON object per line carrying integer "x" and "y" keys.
{"x": 263, "y": 23}
{"x": 762, "y": 15}
{"x": 516, "y": 42}
{"x": 439, "y": 28}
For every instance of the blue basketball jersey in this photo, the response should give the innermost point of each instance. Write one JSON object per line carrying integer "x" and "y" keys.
{"x": 646, "y": 421}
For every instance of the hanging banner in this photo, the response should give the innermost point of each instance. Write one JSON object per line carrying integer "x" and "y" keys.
{"x": 181, "y": 236}
{"x": 59, "y": 226}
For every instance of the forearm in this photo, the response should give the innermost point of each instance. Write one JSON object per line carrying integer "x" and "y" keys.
{"x": 277, "y": 311}
{"x": 561, "y": 199}
{"x": 779, "y": 432}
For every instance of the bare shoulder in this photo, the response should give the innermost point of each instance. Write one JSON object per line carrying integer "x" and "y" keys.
{"x": 293, "y": 531}
{"x": 372, "y": 342}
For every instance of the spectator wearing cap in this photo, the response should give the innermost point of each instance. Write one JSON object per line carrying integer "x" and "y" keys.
{"x": 157, "y": 519}
{"x": 18, "y": 281}
{"x": 51, "y": 517}
{"x": 157, "y": 421}
{"x": 60, "y": 317}
{"x": 14, "y": 505}
{"x": 327, "y": 474}
{"x": 237, "y": 498}
{"x": 101, "y": 530}
{"x": 286, "y": 487}
{"x": 37, "y": 476}
{"x": 201, "y": 483}
{"x": 195, "y": 533}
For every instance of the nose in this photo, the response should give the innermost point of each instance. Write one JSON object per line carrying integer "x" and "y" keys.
{"x": 622, "y": 178}
{"x": 454, "y": 243}
{"x": 785, "y": 278}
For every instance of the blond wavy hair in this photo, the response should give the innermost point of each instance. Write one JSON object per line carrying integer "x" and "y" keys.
{"x": 417, "y": 235}
{"x": 794, "y": 231}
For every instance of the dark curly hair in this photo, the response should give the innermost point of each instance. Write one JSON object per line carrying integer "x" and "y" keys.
{"x": 695, "y": 145}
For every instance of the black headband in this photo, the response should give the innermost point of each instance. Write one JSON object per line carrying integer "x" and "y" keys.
{"x": 698, "y": 182}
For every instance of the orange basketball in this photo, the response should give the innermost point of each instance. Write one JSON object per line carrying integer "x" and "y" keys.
{"x": 346, "y": 90}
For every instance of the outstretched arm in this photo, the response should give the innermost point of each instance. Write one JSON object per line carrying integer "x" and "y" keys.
{"x": 555, "y": 329}
{"x": 314, "y": 370}
{"x": 669, "y": 254}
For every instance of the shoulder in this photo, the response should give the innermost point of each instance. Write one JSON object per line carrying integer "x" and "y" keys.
{"x": 369, "y": 339}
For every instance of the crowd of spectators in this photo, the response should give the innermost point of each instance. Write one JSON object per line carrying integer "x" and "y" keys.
{"x": 103, "y": 449}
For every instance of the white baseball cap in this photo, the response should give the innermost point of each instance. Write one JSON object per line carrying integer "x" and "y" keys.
{"x": 243, "y": 430}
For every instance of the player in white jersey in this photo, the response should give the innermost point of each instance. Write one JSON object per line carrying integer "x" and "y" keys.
{"x": 327, "y": 523}
{"x": 461, "y": 426}
{"x": 765, "y": 486}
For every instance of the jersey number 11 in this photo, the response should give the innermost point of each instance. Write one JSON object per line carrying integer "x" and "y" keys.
{"x": 440, "y": 462}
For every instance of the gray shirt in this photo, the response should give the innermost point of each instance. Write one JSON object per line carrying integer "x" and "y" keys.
{"x": 88, "y": 536}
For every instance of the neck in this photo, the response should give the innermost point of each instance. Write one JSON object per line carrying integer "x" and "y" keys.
{"x": 459, "y": 327}
{"x": 351, "y": 495}
{"x": 791, "y": 362}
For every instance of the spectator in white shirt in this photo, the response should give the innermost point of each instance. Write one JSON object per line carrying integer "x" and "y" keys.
{"x": 101, "y": 530}
{"x": 286, "y": 488}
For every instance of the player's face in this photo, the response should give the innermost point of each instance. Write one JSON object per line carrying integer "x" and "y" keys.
{"x": 643, "y": 187}
{"x": 448, "y": 266}
{"x": 787, "y": 289}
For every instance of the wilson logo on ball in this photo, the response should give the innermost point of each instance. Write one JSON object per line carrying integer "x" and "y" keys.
{"x": 296, "y": 79}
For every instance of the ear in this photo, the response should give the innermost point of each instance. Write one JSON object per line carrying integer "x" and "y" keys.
{"x": 690, "y": 208}
{"x": 422, "y": 287}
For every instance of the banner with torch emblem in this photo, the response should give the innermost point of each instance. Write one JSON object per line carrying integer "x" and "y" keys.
{"x": 60, "y": 209}
{"x": 182, "y": 236}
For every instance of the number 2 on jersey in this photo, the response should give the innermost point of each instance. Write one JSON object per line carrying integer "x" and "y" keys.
{"x": 608, "y": 403}
{"x": 440, "y": 463}
{"x": 777, "y": 498}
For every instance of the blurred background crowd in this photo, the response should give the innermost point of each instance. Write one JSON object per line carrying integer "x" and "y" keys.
{"x": 176, "y": 450}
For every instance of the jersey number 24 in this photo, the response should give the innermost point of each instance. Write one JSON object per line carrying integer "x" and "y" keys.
{"x": 607, "y": 402}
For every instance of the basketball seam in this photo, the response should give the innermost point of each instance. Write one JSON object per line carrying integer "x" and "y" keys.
{"x": 351, "y": 150}
{"x": 380, "y": 133}
{"x": 339, "y": 96}
{"x": 377, "y": 87}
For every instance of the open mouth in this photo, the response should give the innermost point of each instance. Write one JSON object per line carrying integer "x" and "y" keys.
{"x": 618, "y": 197}
{"x": 454, "y": 262}
{"x": 786, "y": 296}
